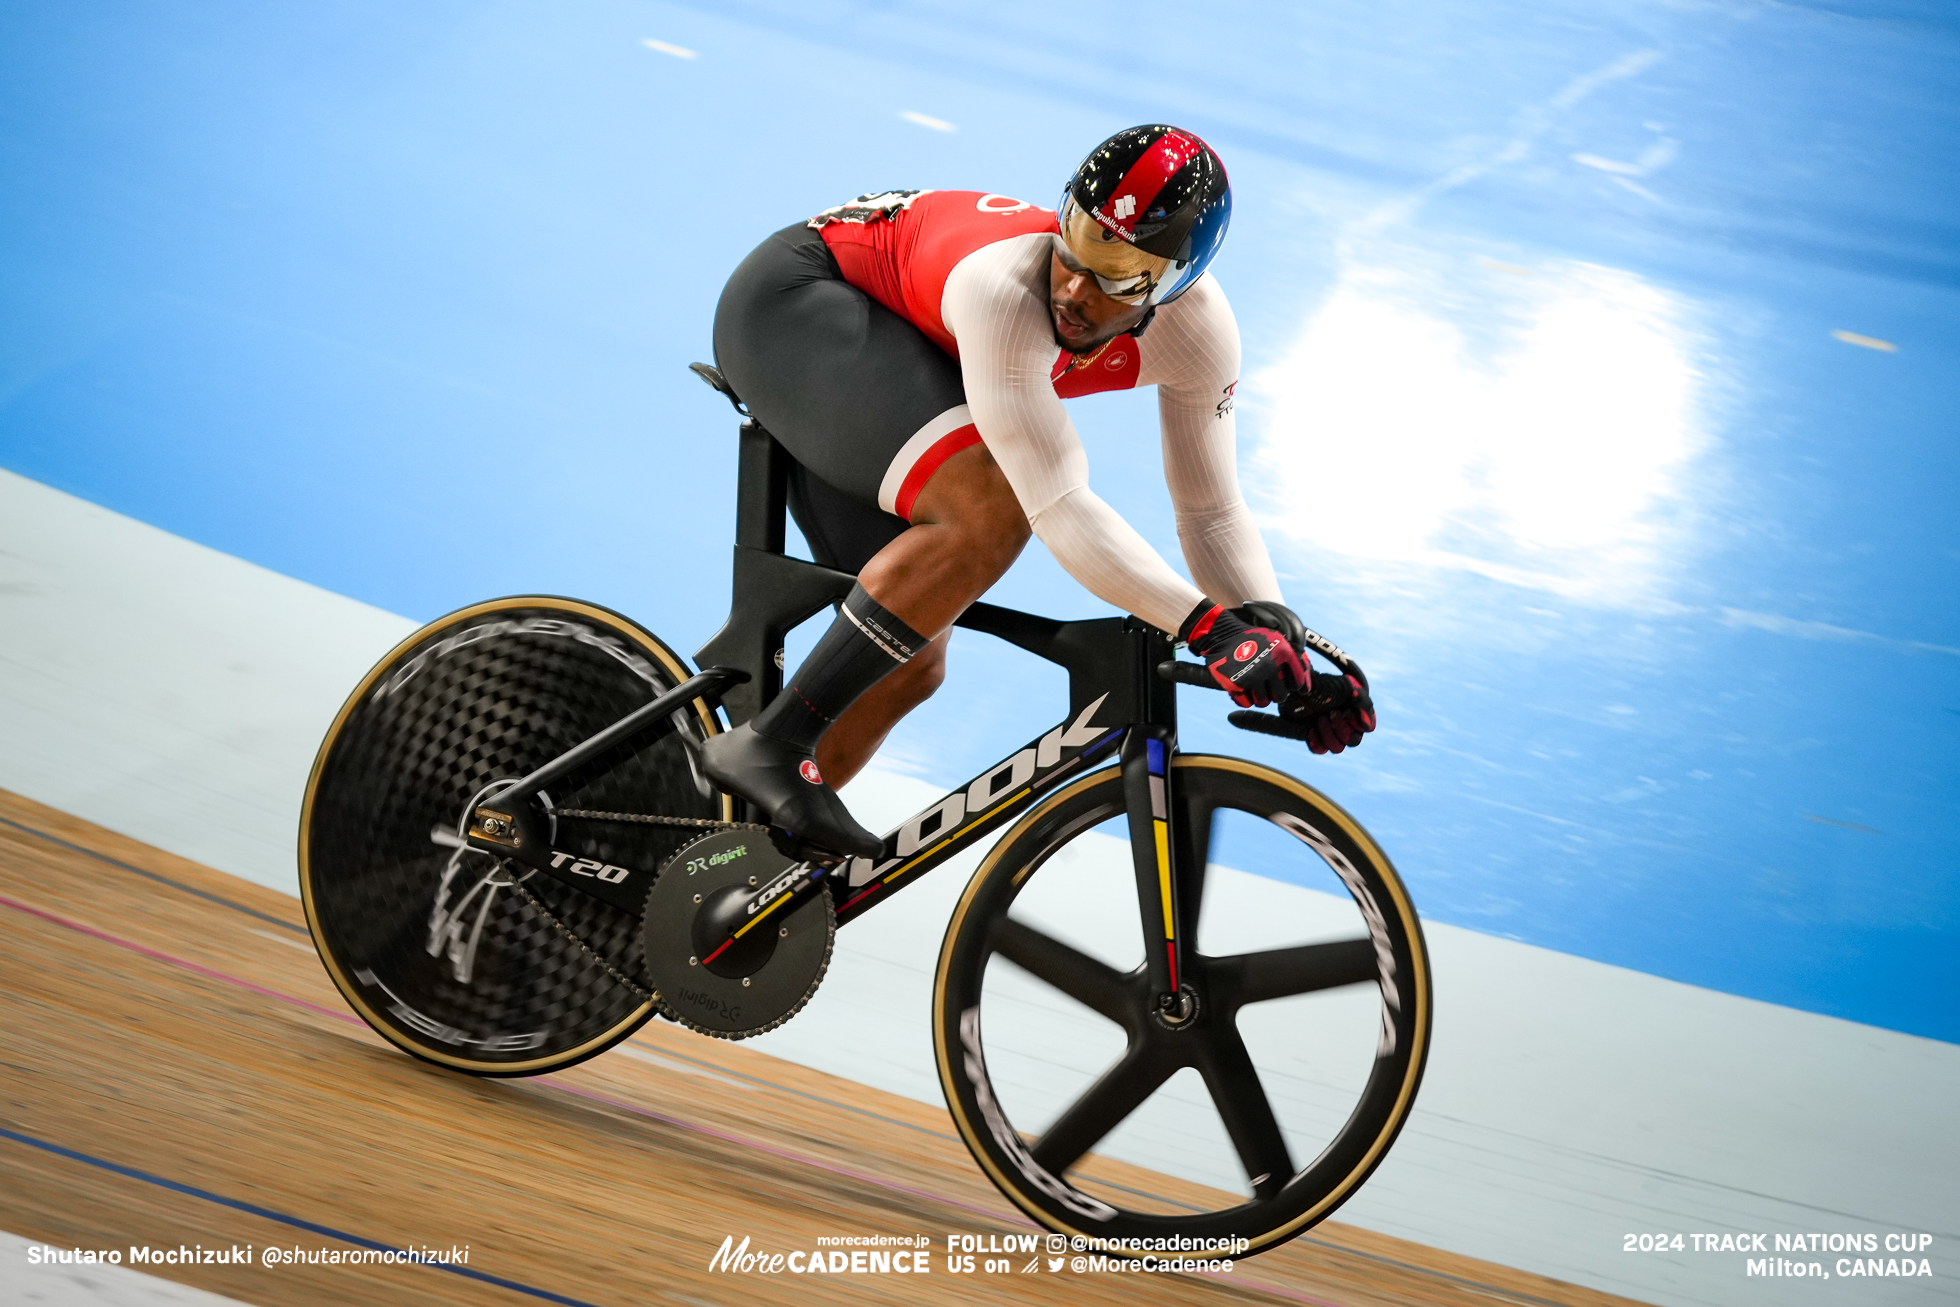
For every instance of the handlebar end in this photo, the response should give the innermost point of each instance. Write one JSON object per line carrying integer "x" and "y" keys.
{"x": 1187, "y": 674}
{"x": 1266, "y": 723}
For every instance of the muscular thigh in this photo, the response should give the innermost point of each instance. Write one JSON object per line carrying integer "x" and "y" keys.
{"x": 844, "y": 383}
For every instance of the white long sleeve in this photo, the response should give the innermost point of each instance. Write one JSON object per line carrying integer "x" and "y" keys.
{"x": 1191, "y": 354}
{"x": 995, "y": 306}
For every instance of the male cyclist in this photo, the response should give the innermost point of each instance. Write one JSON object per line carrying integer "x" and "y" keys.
{"x": 911, "y": 351}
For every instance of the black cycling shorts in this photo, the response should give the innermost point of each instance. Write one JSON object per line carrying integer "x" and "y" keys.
{"x": 866, "y": 404}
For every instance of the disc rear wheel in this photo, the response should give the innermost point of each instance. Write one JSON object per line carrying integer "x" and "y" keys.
{"x": 455, "y": 955}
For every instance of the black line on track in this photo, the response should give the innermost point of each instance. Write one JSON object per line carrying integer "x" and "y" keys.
{"x": 281, "y": 1217}
{"x": 151, "y": 875}
{"x": 722, "y": 1070}
{"x": 662, "y": 1052}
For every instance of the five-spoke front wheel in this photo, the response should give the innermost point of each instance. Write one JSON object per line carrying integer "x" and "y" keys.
{"x": 1258, "y": 1103}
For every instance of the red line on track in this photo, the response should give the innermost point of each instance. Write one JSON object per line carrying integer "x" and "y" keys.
{"x": 711, "y": 1132}
{"x": 552, "y": 1081}
{"x": 206, "y": 972}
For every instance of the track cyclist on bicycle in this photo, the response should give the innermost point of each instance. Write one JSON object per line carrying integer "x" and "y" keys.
{"x": 911, "y": 351}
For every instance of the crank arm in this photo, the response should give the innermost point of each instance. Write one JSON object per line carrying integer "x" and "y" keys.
{"x": 725, "y": 923}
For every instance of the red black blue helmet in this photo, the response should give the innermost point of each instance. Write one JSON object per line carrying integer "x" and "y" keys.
{"x": 1161, "y": 190}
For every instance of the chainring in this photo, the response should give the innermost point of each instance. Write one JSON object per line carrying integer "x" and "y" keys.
{"x": 764, "y": 985}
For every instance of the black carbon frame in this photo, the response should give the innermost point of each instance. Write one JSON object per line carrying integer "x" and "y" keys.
{"x": 1117, "y": 694}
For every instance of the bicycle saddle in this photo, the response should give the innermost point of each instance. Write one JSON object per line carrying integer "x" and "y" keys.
{"x": 711, "y": 374}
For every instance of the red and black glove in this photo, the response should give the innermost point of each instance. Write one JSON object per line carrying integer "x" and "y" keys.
{"x": 1255, "y": 663}
{"x": 1336, "y": 710}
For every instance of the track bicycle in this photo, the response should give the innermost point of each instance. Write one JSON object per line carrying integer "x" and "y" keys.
{"x": 510, "y": 861}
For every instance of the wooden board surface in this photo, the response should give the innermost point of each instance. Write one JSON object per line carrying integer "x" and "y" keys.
{"x": 178, "y": 1070}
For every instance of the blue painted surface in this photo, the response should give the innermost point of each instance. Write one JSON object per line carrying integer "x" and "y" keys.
{"x": 398, "y": 301}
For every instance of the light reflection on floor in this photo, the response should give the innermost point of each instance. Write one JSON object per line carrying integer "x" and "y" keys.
{"x": 1540, "y": 430}
{"x": 1599, "y": 390}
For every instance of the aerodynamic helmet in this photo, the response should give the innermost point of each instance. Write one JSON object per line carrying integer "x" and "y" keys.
{"x": 1147, "y": 211}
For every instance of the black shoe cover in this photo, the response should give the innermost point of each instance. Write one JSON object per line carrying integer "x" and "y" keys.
{"x": 782, "y": 780}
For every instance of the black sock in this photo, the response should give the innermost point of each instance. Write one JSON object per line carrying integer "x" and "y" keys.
{"x": 861, "y": 646}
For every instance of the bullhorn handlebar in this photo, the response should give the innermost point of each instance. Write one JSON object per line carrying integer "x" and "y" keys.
{"x": 1197, "y": 674}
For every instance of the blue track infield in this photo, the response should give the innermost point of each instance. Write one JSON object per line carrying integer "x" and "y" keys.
{"x": 1600, "y": 369}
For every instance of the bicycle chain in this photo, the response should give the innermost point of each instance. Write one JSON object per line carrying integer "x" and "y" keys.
{"x": 537, "y": 905}
{"x": 649, "y": 819}
{"x": 644, "y": 818}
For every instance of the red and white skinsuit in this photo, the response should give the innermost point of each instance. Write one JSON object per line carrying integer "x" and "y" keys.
{"x": 971, "y": 271}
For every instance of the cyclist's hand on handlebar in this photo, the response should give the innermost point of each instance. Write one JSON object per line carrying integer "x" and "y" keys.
{"x": 1336, "y": 710}
{"x": 1276, "y": 616}
{"x": 1256, "y": 664}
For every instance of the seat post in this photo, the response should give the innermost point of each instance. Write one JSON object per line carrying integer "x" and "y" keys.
{"x": 762, "y": 490}
{"x": 773, "y": 592}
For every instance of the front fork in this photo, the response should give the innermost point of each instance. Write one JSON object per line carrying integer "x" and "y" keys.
{"x": 1148, "y": 796}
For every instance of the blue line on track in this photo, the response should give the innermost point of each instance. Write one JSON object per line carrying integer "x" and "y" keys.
{"x": 280, "y": 1217}
{"x": 151, "y": 875}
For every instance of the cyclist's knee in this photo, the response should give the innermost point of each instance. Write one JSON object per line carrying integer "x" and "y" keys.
{"x": 997, "y": 538}
{"x": 1007, "y": 525}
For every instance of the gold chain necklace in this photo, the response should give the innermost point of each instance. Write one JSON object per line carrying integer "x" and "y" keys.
{"x": 1084, "y": 360}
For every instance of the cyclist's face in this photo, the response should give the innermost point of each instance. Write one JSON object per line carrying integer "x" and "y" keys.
{"x": 1082, "y": 315}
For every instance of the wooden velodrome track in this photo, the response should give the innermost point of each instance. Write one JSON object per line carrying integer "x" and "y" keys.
{"x": 178, "y": 1070}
